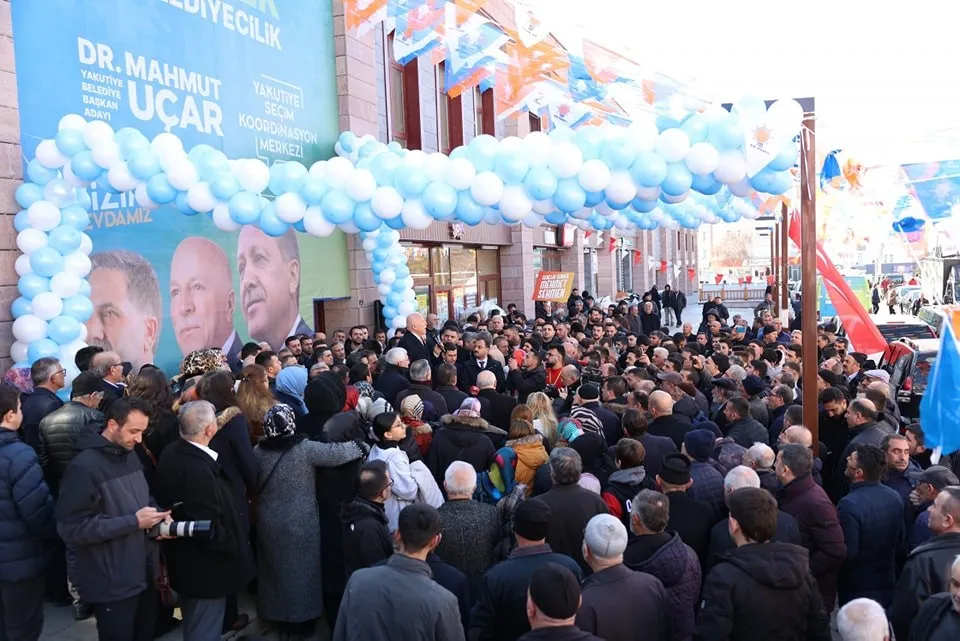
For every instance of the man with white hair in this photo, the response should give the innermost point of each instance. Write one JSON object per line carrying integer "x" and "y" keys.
{"x": 421, "y": 384}
{"x": 760, "y": 457}
{"x": 788, "y": 531}
{"x": 470, "y": 528}
{"x": 617, "y": 601}
{"x": 665, "y": 422}
{"x": 863, "y": 620}
{"x": 495, "y": 408}
{"x": 414, "y": 340}
{"x": 393, "y": 379}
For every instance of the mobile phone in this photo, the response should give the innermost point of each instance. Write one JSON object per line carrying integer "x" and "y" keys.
{"x": 740, "y": 329}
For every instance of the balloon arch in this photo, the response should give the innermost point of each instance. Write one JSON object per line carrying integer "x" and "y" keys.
{"x": 703, "y": 169}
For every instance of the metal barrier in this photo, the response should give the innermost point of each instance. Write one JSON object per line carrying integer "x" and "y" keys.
{"x": 733, "y": 293}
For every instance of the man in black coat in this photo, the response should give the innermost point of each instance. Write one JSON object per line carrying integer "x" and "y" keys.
{"x": 531, "y": 378}
{"x": 469, "y": 371}
{"x": 762, "y": 589}
{"x": 48, "y": 378}
{"x": 414, "y": 340}
{"x": 665, "y": 422}
{"x": 741, "y": 426}
{"x": 109, "y": 368}
{"x": 690, "y": 518}
{"x": 447, "y": 387}
{"x": 203, "y": 569}
{"x": 495, "y": 408}
{"x": 393, "y": 379}
{"x": 366, "y": 539}
{"x": 421, "y": 385}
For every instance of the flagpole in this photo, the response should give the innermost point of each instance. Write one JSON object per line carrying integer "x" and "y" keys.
{"x": 774, "y": 248}
{"x": 808, "y": 262}
{"x": 784, "y": 275}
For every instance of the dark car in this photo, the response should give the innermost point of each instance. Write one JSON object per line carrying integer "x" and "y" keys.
{"x": 910, "y": 364}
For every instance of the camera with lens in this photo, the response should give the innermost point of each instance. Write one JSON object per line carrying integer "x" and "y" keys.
{"x": 182, "y": 529}
{"x": 551, "y": 391}
{"x": 591, "y": 375}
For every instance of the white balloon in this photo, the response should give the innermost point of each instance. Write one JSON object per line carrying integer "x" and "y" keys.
{"x": 120, "y": 177}
{"x": 106, "y": 154}
{"x": 318, "y": 169}
{"x": 349, "y": 227}
{"x": 386, "y": 202}
{"x": 436, "y": 166}
{"x": 166, "y": 142}
{"x": 290, "y": 207}
{"x": 415, "y": 216}
{"x": 361, "y": 185}
{"x": 741, "y": 188}
{"x": 223, "y": 220}
{"x": 399, "y": 322}
{"x": 648, "y": 193}
{"x": 416, "y": 158}
{"x": 621, "y": 187}
{"x": 86, "y": 244}
{"x": 49, "y": 155}
{"x": 594, "y": 175}
{"x": 316, "y": 224}
{"x": 676, "y": 199}
{"x": 388, "y": 276}
{"x": 487, "y": 188}
{"x": 369, "y": 244}
{"x": 673, "y": 145}
{"x": 544, "y": 207}
{"x": 30, "y": 240}
{"x": 702, "y": 158}
{"x": 83, "y": 332}
{"x": 785, "y": 116}
{"x": 201, "y": 198}
{"x": 643, "y": 135}
{"x": 537, "y": 148}
{"x": 181, "y": 172}
{"x": 515, "y": 205}
{"x": 384, "y": 289}
{"x": 566, "y": 159}
{"x": 143, "y": 198}
{"x": 338, "y": 171}
{"x": 77, "y": 263}
{"x": 459, "y": 173}
{"x": 406, "y": 308}
{"x": 97, "y": 132}
{"x": 583, "y": 213}
{"x": 18, "y": 352}
{"x": 532, "y": 220}
{"x": 47, "y": 306}
{"x": 22, "y": 265}
{"x": 65, "y": 284}
{"x": 43, "y": 215}
{"x": 72, "y": 121}
{"x": 253, "y": 175}
{"x": 731, "y": 167}
{"x": 29, "y": 328}
{"x": 72, "y": 179}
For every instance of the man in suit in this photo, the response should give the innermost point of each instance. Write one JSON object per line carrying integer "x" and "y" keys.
{"x": 414, "y": 340}
{"x": 203, "y": 569}
{"x": 495, "y": 408}
{"x": 109, "y": 369}
{"x": 481, "y": 361}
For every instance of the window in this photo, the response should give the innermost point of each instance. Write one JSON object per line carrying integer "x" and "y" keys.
{"x": 404, "y": 91}
{"x": 534, "y": 123}
{"x": 547, "y": 260}
{"x": 440, "y": 265}
{"x": 478, "y": 111}
{"x": 449, "y": 114}
{"x": 485, "y": 122}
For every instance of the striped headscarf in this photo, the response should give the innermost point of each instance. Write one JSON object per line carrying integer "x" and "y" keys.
{"x": 469, "y": 407}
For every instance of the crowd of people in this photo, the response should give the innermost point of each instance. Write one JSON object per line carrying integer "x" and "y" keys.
{"x": 579, "y": 475}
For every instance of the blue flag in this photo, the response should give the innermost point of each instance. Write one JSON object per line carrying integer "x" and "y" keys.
{"x": 940, "y": 408}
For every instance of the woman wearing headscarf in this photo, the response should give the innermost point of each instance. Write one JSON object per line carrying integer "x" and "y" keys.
{"x": 411, "y": 413}
{"x": 291, "y": 384}
{"x": 289, "y": 583}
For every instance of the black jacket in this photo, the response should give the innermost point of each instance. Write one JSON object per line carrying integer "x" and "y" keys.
{"x": 618, "y": 602}
{"x": 926, "y": 573}
{"x": 496, "y": 408}
{"x": 203, "y": 567}
{"x": 453, "y": 397}
{"x": 461, "y": 438}
{"x": 416, "y": 349}
{"x": 674, "y": 426}
{"x": 669, "y": 559}
{"x": 560, "y": 633}
{"x": 747, "y": 431}
{"x": 692, "y": 519}
{"x": 232, "y": 443}
{"x": 526, "y": 382}
{"x": 60, "y": 433}
{"x": 35, "y": 407}
{"x": 111, "y": 393}
{"x": 721, "y": 542}
{"x": 391, "y": 382}
{"x": 938, "y": 620}
{"x": 426, "y": 393}
{"x": 101, "y": 492}
{"x": 610, "y": 421}
{"x": 571, "y": 508}
{"x": 762, "y": 591}
{"x": 467, "y": 373}
{"x": 366, "y": 540}
{"x": 27, "y": 528}
{"x": 656, "y": 448}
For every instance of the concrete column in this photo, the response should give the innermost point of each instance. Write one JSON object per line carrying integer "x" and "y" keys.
{"x": 516, "y": 270}
{"x": 571, "y": 260}
{"x": 606, "y": 269}
{"x": 11, "y": 175}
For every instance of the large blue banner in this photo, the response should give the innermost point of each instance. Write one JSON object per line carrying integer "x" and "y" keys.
{"x": 254, "y": 78}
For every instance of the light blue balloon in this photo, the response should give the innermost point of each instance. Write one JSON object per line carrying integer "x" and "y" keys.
{"x": 337, "y": 207}
{"x": 300, "y": 227}
{"x": 287, "y": 176}
{"x": 570, "y": 196}
{"x": 21, "y": 221}
{"x": 212, "y": 164}
{"x": 411, "y": 182}
{"x": 30, "y": 285}
{"x": 63, "y": 329}
{"x": 649, "y": 169}
{"x": 643, "y": 206}
{"x": 468, "y": 211}
{"x": 618, "y": 154}
{"x": 64, "y": 239}
{"x": 666, "y": 122}
{"x": 389, "y": 311}
{"x": 556, "y": 218}
{"x": 384, "y": 168}
{"x": 347, "y": 140}
{"x": 786, "y": 159}
{"x": 270, "y": 224}
{"x": 83, "y": 200}
{"x": 160, "y": 190}
{"x": 377, "y": 266}
{"x": 706, "y": 184}
{"x": 59, "y": 192}
{"x": 540, "y": 183}
{"x": 385, "y": 242}
{"x": 364, "y": 218}
{"x": 70, "y": 142}
{"x": 395, "y": 147}
{"x": 393, "y": 299}
{"x": 511, "y": 167}
{"x": 224, "y": 186}
{"x": 46, "y": 261}
{"x": 125, "y": 133}
{"x": 38, "y": 173}
{"x": 395, "y": 223}
{"x": 380, "y": 254}
{"x": 84, "y": 287}
{"x": 84, "y": 167}
{"x": 594, "y": 198}
{"x": 402, "y": 271}
{"x": 244, "y": 208}
{"x": 725, "y": 133}
{"x": 313, "y": 190}
{"x": 783, "y": 182}
{"x": 459, "y": 152}
{"x": 678, "y": 179}
{"x": 198, "y": 152}
{"x": 765, "y": 180}
{"x": 28, "y": 193}
{"x": 43, "y": 348}
{"x": 133, "y": 144}
{"x": 696, "y": 126}
{"x": 482, "y": 152}
{"x": 615, "y": 205}
{"x": 144, "y": 164}
{"x": 184, "y": 206}
{"x": 440, "y": 200}
{"x": 590, "y": 142}
{"x": 21, "y": 307}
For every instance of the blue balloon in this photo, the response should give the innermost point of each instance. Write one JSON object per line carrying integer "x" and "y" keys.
{"x": 28, "y": 193}
{"x": 184, "y": 206}
{"x": 384, "y": 167}
{"x": 144, "y": 164}
{"x": 786, "y": 159}
{"x": 65, "y": 239}
{"x": 556, "y": 218}
{"x": 616, "y": 206}
{"x": 440, "y": 200}
{"x": 43, "y": 348}
{"x": 313, "y": 190}
{"x": 696, "y": 126}
{"x": 21, "y": 307}
{"x": 337, "y": 207}
{"x": 21, "y": 221}
{"x": 570, "y": 196}
{"x": 84, "y": 201}
{"x": 468, "y": 211}
{"x": 160, "y": 190}
{"x": 395, "y": 223}
{"x": 540, "y": 183}
{"x": 765, "y": 181}
{"x": 133, "y": 144}
{"x": 212, "y": 164}
{"x": 482, "y": 152}
{"x": 270, "y": 224}
{"x": 364, "y": 218}
{"x": 300, "y": 227}
{"x": 287, "y": 176}
{"x": 224, "y": 186}
{"x": 643, "y": 206}
{"x": 39, "y": 174}
{"x": 411, "y": 182}
{"x": 244, "y": 208}
{"x": 649, "y": 169}
{"x": 726, "y": 133}
{"x": 70, "y": 142}
{"x": 197, "y": 153}
{"x": 594, "y": 198}
{"x": 85, "y": 287}
{"x": 388, "y": 311}
{"x": 459, "y": 152}
{"x": 512, "y": 167}
{"x": 402, "y": 271}
{"x": 783, "y": 183}
{"x": 378, "y": 266}
{"x": 393, "y": 299}
{"x": 678, "y": 179}
{"x": 84, "y": 167}
{"x": 347, "y": 140}
{"x": 706, "y": 184}
{"x": 63, "y": 329}
{"x": 30, "y": 285}
{"x": 46, "y": 261}
{"x": 590, "y": 142}
{"x": 618, "y": 154}
{"x": 380, "y": 254}
{"x": 125, "y": 133}
{"x": 385, "y": 242}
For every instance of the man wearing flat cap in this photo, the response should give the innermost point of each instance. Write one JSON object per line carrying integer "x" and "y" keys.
{"x": 930, "y": 483}
{"x": 552, "y": 603}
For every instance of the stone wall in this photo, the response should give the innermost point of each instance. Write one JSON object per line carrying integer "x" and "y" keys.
{"x": 11, "y": 174}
